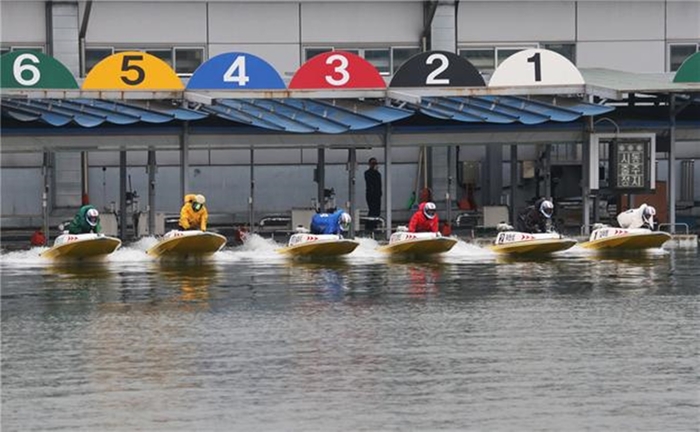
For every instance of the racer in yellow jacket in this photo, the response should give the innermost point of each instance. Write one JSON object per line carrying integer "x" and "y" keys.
{"x": 193, "y": 214}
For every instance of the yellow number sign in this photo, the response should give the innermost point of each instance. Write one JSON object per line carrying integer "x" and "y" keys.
{"x": 132, "y": 70}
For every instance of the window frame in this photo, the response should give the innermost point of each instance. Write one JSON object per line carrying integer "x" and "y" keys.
{"x": 669, "y": 67}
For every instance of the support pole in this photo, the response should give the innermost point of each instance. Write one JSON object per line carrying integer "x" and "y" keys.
{"x": 122, "y": 194}
{"x": 185, "y": 159}
{"x": 321, "y": 177}
{"x": 152, "y": 192}
{"x": 586, "y": 181}
{"x": 548, "y": 171}
{"x": 352, "y": 168}
{"x": 251, "y": 198}
{"x": 448, "y": 192}
{"x": 672, "y": 166}
{"x": 84, "y": 179}
{"x": 46, "y": 171}
{"x": 513, "y": 182}
{"x": 387, "y": 179}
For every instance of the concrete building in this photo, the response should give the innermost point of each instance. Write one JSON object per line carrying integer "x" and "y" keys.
{"x": 635, "y": 36}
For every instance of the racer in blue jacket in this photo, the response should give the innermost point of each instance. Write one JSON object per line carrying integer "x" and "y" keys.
{"x": 330, "y": 223}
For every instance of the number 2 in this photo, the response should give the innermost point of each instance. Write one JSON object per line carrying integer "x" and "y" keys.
{"x": 341, "y": 69}
{"x": 538, "y": 70}
{"x": 444, "y": 63}
{"x": 126, "y": 67}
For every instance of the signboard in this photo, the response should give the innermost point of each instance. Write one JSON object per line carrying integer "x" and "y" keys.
{"x": 132, "y": 70}
{"x": 536, "y": 67}
{"x": 34, "y": 70}
{"x": 235, "y": 71}
{"x": 337, "y": 70}
{"x": 630, "y": 164}
{"x": 631, "y": 157}
{"x": 437, "y": 69}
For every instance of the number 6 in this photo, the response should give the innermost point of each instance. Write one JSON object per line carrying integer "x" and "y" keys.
{"x": 18, "y": 68}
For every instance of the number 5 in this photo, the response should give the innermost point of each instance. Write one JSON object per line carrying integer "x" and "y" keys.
{"x": 126, "y": 67}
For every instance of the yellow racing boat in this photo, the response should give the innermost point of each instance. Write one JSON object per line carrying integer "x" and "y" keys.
{"x": 82, "y": 247}
{"x": 403, "y": 242}
{"x": 625, "y": 239}
{"x": 187, "y": 244}
{"x": 304, "y": 244}
{"x": 526, "y": 244}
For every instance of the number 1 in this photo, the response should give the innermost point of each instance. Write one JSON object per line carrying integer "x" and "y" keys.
{"x": 536, "y": 60}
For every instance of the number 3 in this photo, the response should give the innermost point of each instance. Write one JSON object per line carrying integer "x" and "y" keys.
{"x": 342, "y": 69}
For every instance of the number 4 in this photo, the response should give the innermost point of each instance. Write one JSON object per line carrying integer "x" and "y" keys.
{"x": 238, "y": 65}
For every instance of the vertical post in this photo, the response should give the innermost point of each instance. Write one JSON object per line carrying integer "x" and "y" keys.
{"x": 387, "y": 178}
{"x": 122, "y": 194}
{"x": 548, "y": 171}
{"x": 184, "y": 160}
{"x": 513, "y": 181}
{"x": 45, "y": 196}
{"x": 586, "y": 147}
{"x": 321, "y": 177}
{"x": 251, "y": 198}
{"x": 352, "y": 167}
{"x": 152, "y": 192}
{"x": 84, "y": 179}
{"x": 448, "y": 192}
{"x": 672, "y": 166}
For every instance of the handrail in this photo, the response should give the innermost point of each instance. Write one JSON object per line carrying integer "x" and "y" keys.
{"x": 687, "y": 230}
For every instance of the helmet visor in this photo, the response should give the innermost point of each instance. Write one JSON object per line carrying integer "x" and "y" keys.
{"x": 547, "y": 211}
{"x": 430, "y": 213}
{"x": 196, "y": 206}
{"x": 92, "y": 220}
{"x": 345, "y": 226}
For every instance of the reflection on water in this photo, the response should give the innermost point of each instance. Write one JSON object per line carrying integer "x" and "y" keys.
{"x": 250, "y": 341}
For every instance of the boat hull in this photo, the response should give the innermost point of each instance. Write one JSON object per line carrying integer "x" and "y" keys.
{"x": 318, "y": 246}
{"x": 82, "y": 247}
{"x": 620, "y": 239}
{"x": 417, "y": 244}
{"x": 187, "y": 244}
{"x": 524, "y": 244}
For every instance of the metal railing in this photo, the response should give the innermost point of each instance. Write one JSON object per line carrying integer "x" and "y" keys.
{"x": 680, "y": 224}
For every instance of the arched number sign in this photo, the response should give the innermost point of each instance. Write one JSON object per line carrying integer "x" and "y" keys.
{"x": 235, "y": 71}
{"x": 34, "y": 70}
{"x": 689, "y": 70}
{"x": 337, "y": 69}
{"x": 437, "y": 69}
{"x": 132, "y": 70}
{"x": 536, "y": 67}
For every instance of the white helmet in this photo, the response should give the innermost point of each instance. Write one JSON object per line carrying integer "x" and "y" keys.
{"x": 429, "y": 210}
{"x": 92, "y": 216}
{"x": 547, "y": 208}
{"x": 345, "y": 221}
{"x": 648, "y": 214}
{"x": 198, "y": 202}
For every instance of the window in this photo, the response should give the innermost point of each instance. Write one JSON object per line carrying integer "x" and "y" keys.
{"x": 183, "y": 60}
{"x": 387, "y": 60}
{"x": 94, "y": 56}
{"x": 400, "y": 55}
{"x": 7, "y": 49}
{"x": 568, "y": 50}
{"x": 680, "y": 52}
{"x": 187, "y": 60}
{"x": 484, "y": 59}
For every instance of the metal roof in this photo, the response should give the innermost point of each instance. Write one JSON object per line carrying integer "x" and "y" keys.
{"x": 508, "y": 109}
{"x": 614, "y": 84}
{"x": 333, "y": 116}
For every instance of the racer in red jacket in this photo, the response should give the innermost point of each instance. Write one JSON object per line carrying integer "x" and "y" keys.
{"x": 425, "y": 219}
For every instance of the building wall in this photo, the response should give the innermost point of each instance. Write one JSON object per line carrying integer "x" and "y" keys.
{"x": 629, "y": 35}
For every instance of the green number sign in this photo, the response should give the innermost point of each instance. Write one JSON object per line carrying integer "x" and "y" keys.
{"x": 34, "y": 70}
